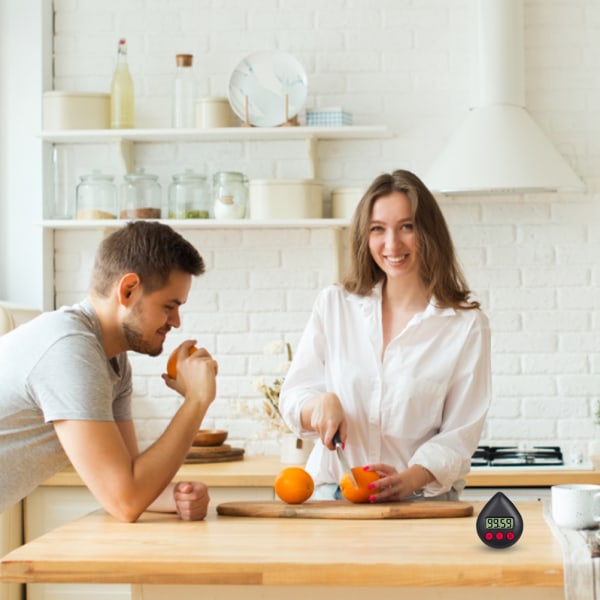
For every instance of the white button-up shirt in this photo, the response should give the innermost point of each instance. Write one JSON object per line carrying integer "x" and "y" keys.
{"x": 424, "y": 403}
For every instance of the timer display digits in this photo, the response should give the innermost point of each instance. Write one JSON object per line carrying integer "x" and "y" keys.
{"x": 499, "y": 522}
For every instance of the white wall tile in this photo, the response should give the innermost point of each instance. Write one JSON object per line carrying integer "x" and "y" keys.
{"x": 531, "y": 259}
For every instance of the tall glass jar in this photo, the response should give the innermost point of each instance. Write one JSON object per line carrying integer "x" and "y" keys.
{"x": 141, "y": 196}
{"x": 230, "y": 195}
{"x": 189, "y": 197}
{"x": 96, "y": 196}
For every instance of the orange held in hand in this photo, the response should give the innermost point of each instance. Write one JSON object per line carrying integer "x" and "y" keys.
{"x": 294, "y": 485}
{"x": 172, "y": 362}
{"x": 361, "y": 494}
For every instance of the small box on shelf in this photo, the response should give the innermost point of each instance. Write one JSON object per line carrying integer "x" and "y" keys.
{"x": 328, "y": 117}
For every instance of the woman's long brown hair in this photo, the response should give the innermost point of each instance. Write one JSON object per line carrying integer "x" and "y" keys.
{"x": 438, "y": 267}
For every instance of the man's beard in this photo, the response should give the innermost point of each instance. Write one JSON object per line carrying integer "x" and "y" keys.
{"x": 135, "y": 338}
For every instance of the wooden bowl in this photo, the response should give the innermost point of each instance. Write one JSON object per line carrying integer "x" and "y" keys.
{"x": 210, "y": 437}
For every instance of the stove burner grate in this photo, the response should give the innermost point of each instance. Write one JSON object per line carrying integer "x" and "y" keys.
{"x": 511, "y": 456}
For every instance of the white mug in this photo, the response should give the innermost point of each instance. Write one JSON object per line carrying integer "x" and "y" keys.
{"x": 576, "y": 505}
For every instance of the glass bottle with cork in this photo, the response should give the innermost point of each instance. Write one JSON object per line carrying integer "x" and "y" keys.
{"x": 121, "y": 92}
{"x": 184, "y": 92}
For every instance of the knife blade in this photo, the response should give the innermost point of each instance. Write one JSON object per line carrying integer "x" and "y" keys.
{"x": 337, "y": 440}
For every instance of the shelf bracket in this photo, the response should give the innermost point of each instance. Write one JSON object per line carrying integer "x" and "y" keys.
{"x": 126, "y": 154}
{"x": 311, "y": 148}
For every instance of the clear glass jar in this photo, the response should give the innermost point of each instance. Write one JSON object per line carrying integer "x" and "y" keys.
{"x": 230, "y": 195}
{"x": 96, "y": 196}
{"x": 189, "y": 197}
{"x": 141, "y": 196}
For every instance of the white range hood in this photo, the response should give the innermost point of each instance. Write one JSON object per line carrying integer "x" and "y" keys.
{"x": 499, "y": 148}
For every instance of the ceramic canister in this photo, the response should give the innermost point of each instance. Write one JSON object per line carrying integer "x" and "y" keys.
{"x": 286, "y": 199}
{"x": 344, "y": 201}
{"x": 214, "y": 112}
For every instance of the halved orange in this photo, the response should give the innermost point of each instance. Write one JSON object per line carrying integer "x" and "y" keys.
{"x": 361, "y": 494}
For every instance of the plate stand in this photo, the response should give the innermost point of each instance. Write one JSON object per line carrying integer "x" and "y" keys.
{"x": 293, "y": 122}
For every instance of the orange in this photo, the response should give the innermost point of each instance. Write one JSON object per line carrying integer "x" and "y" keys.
{"x": 363, "y": 478}
{"x": 172, "y": 362}
{"x": 294, "y": 485}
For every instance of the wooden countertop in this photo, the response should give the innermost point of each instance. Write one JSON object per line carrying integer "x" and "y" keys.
{"x": 161, "y": 549}
{"x": 260, "y": 471}
{"x": 252, "y": 471}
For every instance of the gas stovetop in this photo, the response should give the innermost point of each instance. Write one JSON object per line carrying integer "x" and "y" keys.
{"x": 512, "y": 456}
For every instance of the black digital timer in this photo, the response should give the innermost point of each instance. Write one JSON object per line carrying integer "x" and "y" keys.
{"x": 499, "y": 524}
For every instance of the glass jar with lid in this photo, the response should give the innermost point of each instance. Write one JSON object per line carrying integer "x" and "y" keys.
{"x": 189, "y": 197}
{"x": 96, "y": 196}
{"x": 141, "y": 196}
{"x": 230, "y": 195}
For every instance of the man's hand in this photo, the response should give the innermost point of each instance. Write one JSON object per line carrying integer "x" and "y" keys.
{"x": 196, "y": 373}
{"x": 191, "y": 500}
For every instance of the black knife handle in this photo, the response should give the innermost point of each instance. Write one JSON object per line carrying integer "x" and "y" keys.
{"x": 337, "y": 439}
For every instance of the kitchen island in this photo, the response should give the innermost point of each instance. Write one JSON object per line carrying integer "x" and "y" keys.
{"x": 229, "y": 557}
{"x": 63, "y": 497}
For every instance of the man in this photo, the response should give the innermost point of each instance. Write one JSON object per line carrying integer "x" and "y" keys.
{"x": 65, "y": 382}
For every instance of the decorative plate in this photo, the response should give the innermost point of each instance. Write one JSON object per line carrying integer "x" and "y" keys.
{"x": 266, "y": 78}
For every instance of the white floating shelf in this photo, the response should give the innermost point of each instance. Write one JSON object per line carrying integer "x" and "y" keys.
{"x": 223, "y": 134}
{"x": 203, "y": 223}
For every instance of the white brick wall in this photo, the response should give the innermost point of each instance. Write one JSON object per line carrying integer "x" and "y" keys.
{"x": 532, "y": 259}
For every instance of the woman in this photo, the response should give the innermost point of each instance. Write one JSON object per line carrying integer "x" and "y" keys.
{"x": 397, "y": 358}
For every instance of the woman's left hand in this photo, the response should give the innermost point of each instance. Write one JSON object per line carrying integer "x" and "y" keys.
{"x": 393, "y": 486}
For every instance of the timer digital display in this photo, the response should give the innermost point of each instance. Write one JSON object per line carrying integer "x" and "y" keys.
{"x": 499, "y": 522}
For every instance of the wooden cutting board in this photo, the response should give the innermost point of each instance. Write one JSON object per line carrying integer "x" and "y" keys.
{"x": 341, "y": 509}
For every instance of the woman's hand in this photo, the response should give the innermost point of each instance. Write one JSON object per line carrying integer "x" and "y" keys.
{"x": 325, "y": 415}
{"x": 393, "y": 486}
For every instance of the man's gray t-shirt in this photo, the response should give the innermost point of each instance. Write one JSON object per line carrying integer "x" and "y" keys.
{"x": 53, "y": 368}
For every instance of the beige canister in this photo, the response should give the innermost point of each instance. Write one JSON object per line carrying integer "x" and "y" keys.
{"x": 286, "y": 199}
{"x": 76, "y": 110}
{"x": 344, "y": 201}
{"x": 214, "y": 112}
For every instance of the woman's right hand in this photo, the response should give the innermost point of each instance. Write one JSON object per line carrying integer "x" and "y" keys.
{"x": 325, "y": 415}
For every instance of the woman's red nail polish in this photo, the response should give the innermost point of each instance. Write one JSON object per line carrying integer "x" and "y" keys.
{"x": 366, "y": 468}
{"x": 371, "y": 498}
{"x": 371, "y": 486}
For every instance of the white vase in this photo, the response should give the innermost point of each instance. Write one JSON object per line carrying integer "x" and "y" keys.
{"x": 295, "y": 451}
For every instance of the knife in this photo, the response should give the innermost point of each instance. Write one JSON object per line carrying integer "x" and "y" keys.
{"x": 337, "y": 440}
